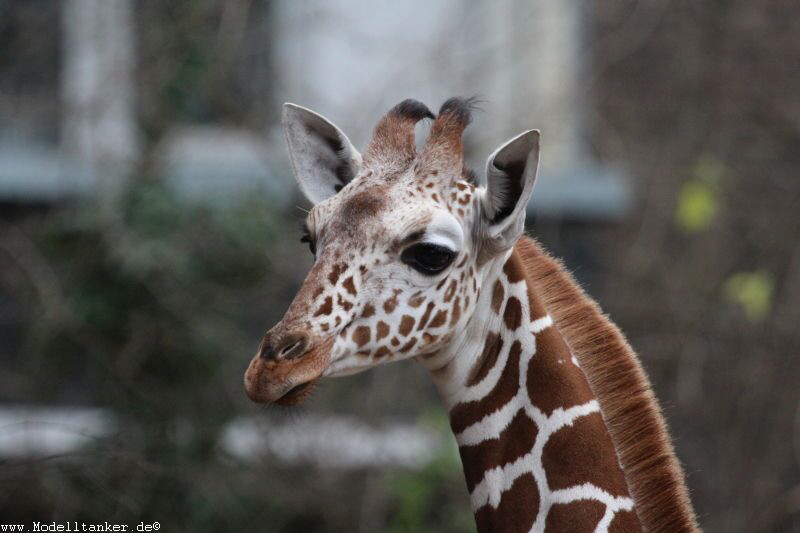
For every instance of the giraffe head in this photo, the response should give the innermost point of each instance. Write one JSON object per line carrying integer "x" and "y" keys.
{"x": 401, "y": 239}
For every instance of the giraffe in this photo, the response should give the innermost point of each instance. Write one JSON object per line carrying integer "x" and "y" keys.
{"x": 557, "y": 426}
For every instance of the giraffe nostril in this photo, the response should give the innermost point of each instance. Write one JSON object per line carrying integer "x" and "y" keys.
{"x": 267, "y": 352}
{"x": 292, "y": 347}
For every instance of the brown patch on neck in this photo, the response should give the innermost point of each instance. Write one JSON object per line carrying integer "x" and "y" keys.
{"x": 575, "y": 516}
{"x": 514, "y": 269}
{"x": 517, "y": 509}
{"x": 623, "y": 522}
{"x": 487, "y": 359}
{"x": 512, "y": 316}
{"x": 583, "y": 453}
{"x": 464, "y": 415}
{"x": 633, "y": 418}
{"x": 497, "y": 296}
{"x": 513, "y": 442}
{"x": 553, "y": 380}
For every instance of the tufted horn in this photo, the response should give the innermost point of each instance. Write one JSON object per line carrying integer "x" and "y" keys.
{"x": 443, "y": 151}
{"x": 392, "y": 142}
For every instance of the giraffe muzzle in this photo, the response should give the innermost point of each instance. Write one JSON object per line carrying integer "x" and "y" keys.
{"x": 286, "y": 372}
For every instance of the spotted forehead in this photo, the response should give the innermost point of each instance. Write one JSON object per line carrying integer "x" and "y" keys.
{"x": 361, "y": 204}
{"x": 374, "y": 206}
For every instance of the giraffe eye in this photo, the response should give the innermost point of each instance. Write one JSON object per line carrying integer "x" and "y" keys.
{"x": 427, "y": 258}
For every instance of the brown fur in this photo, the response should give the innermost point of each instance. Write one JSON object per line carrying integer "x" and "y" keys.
{"x": 623, "y": 391}
{"x": 464, "y": 415}
{"x": 516, "y": 511}
{"x": 443, "y": 149}
{"x": 575, "y": 516}
{"x": 392, "y": 145}
{"x": 487, "y": 359}
{"x": 513, "y": 442}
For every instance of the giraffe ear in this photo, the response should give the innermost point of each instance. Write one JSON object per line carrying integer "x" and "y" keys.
{"x": 510, "y": 175}
{"x": 322, "y": 157}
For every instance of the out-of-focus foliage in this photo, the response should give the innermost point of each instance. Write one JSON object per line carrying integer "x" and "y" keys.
{"x": 207, "y": 62}
{"x": 699, "y": 197}
{"x": 150, "y": 306}
{"x": 141, "y": 304}
{"x": 699, "y": 100}
{"x": 697, "y": 205}
{"x": 753, "y": 291}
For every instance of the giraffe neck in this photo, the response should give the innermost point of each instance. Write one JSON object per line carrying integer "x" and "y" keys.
{"x": 535, "y": 449}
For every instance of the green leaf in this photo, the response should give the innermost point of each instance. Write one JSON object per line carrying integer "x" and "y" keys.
{"x": 697, "y": 206}
{"x": 698, "y": 200}
{"x": 753, "y": 291}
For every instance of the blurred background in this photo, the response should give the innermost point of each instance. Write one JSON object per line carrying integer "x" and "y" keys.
{"x": 149, "y": 230}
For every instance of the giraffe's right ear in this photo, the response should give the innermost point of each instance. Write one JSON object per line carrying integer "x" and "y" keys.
{"x": 510, "y": 175}
{"x": 322, "y": 157}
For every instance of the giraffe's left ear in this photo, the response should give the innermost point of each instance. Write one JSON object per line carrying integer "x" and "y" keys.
{"x": 323, "y": 158}
{"x": 510, "y": 175}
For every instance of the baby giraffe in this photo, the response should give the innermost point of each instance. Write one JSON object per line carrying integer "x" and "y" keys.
{"x": 557, "y": 427}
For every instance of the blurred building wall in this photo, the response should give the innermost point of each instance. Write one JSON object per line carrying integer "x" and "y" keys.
{"x": 351, "y": 60}
{"x": 98, "y": 113}
{"x": 348, "y": 59}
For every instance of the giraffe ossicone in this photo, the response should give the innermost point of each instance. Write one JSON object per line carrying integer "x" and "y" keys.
{"x": 414, "y": 259}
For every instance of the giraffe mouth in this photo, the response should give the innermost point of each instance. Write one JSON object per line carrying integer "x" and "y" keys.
{"x": 297, "y": 394}
{"x": 287, "y": 381}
